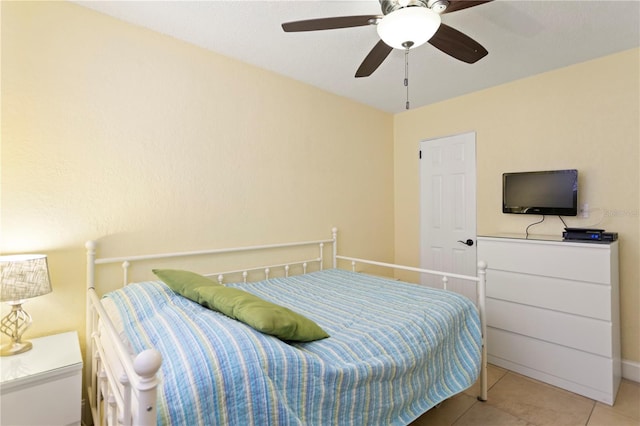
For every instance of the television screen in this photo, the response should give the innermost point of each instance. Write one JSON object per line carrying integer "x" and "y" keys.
{"x": 552, "y": 192}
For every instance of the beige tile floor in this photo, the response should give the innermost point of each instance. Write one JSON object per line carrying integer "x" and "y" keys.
{"x": 518, "y": 400}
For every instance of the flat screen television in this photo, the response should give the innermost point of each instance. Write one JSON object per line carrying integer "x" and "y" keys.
{"x": 551, "y": 192}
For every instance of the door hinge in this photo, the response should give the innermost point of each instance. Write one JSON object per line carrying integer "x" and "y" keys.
{"x": 420, "y": 154}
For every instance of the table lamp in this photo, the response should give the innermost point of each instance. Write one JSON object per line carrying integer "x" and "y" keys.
{"x": 22, "y": 277}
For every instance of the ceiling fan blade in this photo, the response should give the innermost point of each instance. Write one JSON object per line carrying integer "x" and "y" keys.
{"x": 373, "y": 60}
{"x": 456, "y": 44}
{"x": 455, "y": 5}
{"x": 329, "y": 23}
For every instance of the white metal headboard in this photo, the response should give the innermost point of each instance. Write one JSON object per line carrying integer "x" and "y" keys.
{"x": 126, "y": 261}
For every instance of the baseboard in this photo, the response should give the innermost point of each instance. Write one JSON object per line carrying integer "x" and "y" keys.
{"x": 631, "y": 370}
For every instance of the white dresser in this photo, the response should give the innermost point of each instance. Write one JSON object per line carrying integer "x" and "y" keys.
{"x": 44, "y": 385}
{"x": 553, "y": 312}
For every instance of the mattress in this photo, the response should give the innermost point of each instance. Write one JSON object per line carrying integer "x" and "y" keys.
{"x": 395, "y": 350}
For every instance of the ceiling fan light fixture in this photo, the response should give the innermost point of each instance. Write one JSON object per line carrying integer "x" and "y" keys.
{"x": 409, "y": 24}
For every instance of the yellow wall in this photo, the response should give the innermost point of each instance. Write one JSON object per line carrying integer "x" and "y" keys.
{"x": 585, "y": 116}
{"x": 116, "y": 133}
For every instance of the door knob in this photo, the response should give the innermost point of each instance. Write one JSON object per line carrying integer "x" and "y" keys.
{"x": 469, "y": 242}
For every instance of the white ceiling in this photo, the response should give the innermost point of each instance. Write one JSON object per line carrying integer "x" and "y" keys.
{"x": 523, "y": 38}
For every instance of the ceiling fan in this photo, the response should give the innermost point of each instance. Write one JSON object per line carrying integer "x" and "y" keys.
{"x": 405, "y": 24}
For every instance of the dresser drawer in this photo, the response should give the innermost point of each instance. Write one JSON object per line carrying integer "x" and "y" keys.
{"x": 585, "y": 334}
{"x": 58, "y": 401}
{"x": 587, "y": 262}
{"x": 575, "y": 297}
{"x": 571, "y": 369}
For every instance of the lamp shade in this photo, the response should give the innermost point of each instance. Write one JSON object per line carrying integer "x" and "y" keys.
{"x": 409, "y": 24}
{"x": 23, "y": 276}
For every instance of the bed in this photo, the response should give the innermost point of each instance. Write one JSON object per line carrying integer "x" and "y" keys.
{"x": 394, "y": 349}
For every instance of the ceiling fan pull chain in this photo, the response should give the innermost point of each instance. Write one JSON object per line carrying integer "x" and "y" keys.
{"x": 406, "y": 74}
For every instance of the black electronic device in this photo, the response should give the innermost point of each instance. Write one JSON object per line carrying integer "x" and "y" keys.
{"x": 581, "y": 236}
{"x": 551, "y": 192}
{"x": 589, "y": 234}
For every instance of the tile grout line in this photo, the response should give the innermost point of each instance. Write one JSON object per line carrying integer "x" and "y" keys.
{"x": 477, "y": 401}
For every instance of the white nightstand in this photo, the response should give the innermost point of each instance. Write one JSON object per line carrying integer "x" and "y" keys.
{"x": 44, "y": 385}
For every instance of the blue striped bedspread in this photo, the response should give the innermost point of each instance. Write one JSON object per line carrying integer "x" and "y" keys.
{"x": 396, "y": 350}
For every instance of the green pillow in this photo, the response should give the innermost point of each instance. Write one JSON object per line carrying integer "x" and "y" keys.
{"x": 183, "y": 282}
{"x": 263, "y": 316}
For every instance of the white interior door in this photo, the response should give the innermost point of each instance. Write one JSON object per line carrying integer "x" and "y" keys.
{"x": 448, "y": 209}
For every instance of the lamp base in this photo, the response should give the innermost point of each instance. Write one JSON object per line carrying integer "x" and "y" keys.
{"x": 15, "y": 348}
{"x": 14, "y": 325}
